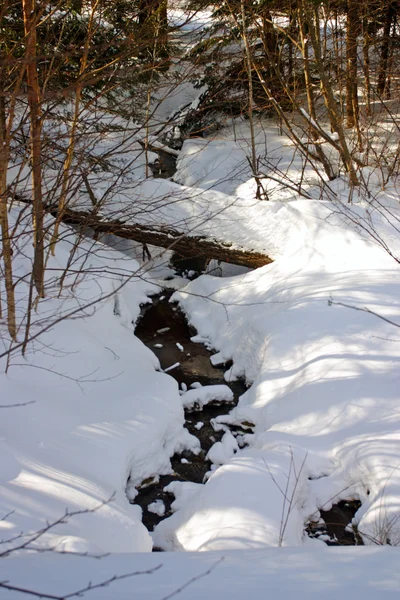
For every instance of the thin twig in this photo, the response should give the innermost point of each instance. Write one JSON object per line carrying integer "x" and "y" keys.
{"x": 193, "y": 580}
{"x": 363, "y": 309}
{"x": 78, "y": 593}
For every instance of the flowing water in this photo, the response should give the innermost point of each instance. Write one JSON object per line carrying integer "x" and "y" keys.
{"x": 164, "y": 329}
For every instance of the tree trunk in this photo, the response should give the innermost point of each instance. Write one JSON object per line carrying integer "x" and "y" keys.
{"x": 391, "y": 13}
{"x": 248, "y": 61}
{"x": 72, "y": 138}
{"x": 272, "y": 64}
{"x": 366, "y": 66}
{"x": 35, "y": 141}
{"x": 5, "y": 235}
{"x": 185, "y": 246}
{"x": 330, "y": 102}
{"x": 153, "y": 13}
{"x": 352, "y": 109}
{"x": 310, "y": 98}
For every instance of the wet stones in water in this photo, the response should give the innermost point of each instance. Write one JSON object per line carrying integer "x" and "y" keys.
{"x": 334, "y": 527}
{"x": 164, "y": 329}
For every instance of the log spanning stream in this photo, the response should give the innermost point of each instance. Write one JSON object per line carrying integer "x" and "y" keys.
{"x": 164, "y": 329}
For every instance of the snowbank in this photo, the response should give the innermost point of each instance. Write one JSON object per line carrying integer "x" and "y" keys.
{"x": 98, "y": 409}
{"x": 324, "y": 399}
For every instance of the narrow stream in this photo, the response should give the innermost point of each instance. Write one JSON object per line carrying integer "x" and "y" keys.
{"x": 164, "y": 329}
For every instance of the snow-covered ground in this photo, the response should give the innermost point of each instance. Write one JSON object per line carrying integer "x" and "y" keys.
{"x": 287, "y": 574}
{"x": 324, "y": 401}
{"x": 98, "y": 409}
{"x": 87, "y": 409}
{"x": 324, "y": 394}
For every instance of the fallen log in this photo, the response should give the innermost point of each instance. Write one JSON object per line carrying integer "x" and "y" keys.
{"x": 187, "y": 246}
{"x": 184, "y": 245}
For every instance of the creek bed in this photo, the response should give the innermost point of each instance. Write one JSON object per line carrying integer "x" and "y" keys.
{"x": 163, "y": 328}
{"x": 334, "y": 526}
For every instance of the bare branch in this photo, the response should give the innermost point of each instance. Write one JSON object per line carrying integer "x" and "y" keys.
{"x": 194, "y": 579}
{"x": 363, "y": 309}
{"x": 77, "y": 594}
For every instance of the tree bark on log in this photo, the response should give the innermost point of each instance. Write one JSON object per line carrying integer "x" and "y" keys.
{"x": 187, "y": 246}
{"x": 169, "y": 238}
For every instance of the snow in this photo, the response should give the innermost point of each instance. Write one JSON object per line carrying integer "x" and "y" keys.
{"x": 172, "y": 367}
{"x": 324, "y": 394}
{"x": 324, "y": 377}
{"x": 192, "y": 22}
{"x": 201, "y": 396}
{"x": 183, "y": 492}
{"x": 163, "y": 330}
{"x": 222, "y": 452}
{"x": 288, "y": 574}
{"x": 212, "y": 190}
{"x": 196, "y": 384}
{"x": 101, "y": 411}
{"x": 254, "y": 502}
{"x": 157, "y": 507}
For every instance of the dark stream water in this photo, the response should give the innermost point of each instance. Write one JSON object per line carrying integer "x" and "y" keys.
{"x": 164, "y": 329}
{"x": 161, "y": 327}
{"x": 334, "y": 525}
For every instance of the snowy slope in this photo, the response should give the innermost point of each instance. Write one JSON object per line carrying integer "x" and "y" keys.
{"x": 98, "y": 410}
{"x": 325, "y": 393}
